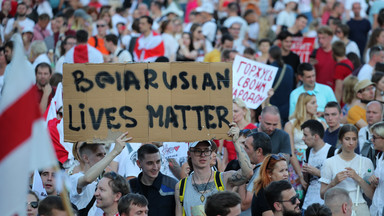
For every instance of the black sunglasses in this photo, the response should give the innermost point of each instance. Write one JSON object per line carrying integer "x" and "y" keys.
{"x": 292, "y": 200}
{"x": 277, "y": 157}
{"x": 33, "y": 204}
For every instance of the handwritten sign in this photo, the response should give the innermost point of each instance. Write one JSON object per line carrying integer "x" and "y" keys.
{"x": 153, "y": 101}
{"x": 252, "y": 80}
{"x": 303, "y": 47}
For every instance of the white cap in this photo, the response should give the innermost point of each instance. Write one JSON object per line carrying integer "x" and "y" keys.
{"x": 287, "y": 1}
{"x": 172, "y": 8}
{"x": 194, "y": 144}
{"x": 206, "y": 7}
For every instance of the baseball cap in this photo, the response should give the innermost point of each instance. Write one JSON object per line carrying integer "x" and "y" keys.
{"x": 194, "y": 144}
{"x": 362, "y": 85}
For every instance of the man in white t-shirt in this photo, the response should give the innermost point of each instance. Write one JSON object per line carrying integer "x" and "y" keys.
{"x": 19, "y": 22}
{"x": 95, "y": 161}
{"x": 209, "y": 24}
{"x": 313, "y": 132}
{"x": 376, "y": 54}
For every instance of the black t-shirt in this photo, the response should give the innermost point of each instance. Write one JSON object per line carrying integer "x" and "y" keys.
{"x": 294, "y": 60}
{"x": 259, "y": 204}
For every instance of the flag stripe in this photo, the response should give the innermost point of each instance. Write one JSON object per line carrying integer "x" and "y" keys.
{"x": 17, "y": 120}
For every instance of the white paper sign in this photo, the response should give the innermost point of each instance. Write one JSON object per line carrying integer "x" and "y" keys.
{"x": 252, "y": 80}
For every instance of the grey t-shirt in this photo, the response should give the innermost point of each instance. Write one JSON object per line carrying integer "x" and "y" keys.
{"x": 280, "y": 142}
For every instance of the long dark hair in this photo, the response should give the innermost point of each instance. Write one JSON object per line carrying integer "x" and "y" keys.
{"x": 275, "y": 53}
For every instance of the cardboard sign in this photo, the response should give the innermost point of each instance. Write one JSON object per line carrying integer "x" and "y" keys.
{"x": 303, "y": 47}
{"x": 252, "y": 80}
{"x": 153, "y": 101}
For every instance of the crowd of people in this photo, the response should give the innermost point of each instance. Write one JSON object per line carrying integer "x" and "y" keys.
{"x": 314, "y": 147}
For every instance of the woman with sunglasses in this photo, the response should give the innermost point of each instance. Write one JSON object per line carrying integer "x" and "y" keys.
{"x": 347, "y": 169}
{"x": 273, "y": 168}
{"x": 200, "y": 44}
{"x": 377, "y": 179}
{"x": 306, "y": 109}
{"x": 32, "y": 203}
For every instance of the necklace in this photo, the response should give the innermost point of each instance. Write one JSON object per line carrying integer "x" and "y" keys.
{"x": 202, "y": 197}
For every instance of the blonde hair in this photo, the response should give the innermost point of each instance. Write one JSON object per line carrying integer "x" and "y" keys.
{"x": 378, "y": 128}
{"x": 300, "y": 113}
{"x": 348, "y": 89}
{"x": 239, "y": 102}
{"x": 264, "y": 27}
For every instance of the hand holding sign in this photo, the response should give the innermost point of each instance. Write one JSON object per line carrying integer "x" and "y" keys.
{"x": 252, "y": 81}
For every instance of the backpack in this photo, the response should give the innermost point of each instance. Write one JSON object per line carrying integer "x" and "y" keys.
{"x": 331, "y": 153}
{"x": 345, "y": 65}
{"x": 218, "y": 183}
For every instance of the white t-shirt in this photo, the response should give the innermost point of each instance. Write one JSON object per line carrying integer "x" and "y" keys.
{"x": 316, "y": 159}
{"x": 127, "y": 160}
{"x": 25, "y": 23}
{"x": 332, "y": 166}
{"x": 82, "y": 199}
{"x": 170, "y": 46}
{"x": 42, "y": 58}
{"x": 209, "y": 30}
{"x": 378, "y": 197}
{"x": 286, "y": 19}
{"x": 365, "y": 72}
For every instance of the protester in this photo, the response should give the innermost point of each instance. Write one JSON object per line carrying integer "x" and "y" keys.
{"x": 283, "y": 199}
{"x": 332, "y": 116}
{"x": 338, "y": 200}
{"x": 133, "y": 204}
{"x": 376, "y": 180}
{"x": 32, "y": 203}
{"x": 155, "y": 186}
{"x": 224, "y": 203}
{"x": 347, "y": 169}
{"x": 274, "y": 168}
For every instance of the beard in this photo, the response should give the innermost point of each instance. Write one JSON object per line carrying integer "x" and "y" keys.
{"x": 291, "y": 213}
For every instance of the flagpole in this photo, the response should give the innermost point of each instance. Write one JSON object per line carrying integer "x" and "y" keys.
{"x": 64, "y": 196}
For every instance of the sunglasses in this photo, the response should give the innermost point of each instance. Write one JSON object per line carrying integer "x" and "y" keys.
{"x": 277, "y": 157}
{"x": 33, "y": 204}
{"x": 98, "y": 26}
{"x": 292, "y": 200}
{"x": 373, "y": 137}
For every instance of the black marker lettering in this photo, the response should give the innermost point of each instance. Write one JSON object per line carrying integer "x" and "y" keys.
{"x": 157, "y": 114}
{"x": 183, "y": 109}
{"x": 149, "y": 81}
{"x": 96, "y": 122}
{"x": 79, "y": 78}
{"x": 103, "y": 77}
{"x": 123, "y": 116}
{"x": 70, "y": 120}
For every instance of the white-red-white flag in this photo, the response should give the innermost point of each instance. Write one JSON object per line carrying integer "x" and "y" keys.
{"x": 25, "y": 143}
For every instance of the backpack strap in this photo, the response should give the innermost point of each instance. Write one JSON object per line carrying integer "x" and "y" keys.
{"x": 280, "y": 78}
{"x": 121, "y": 51}
{"x": 218, "y": 181}
{"x": 307, "y": 151}
{"x": 96, "y": 42}
{"x": 331, "y": 152}
{"x": 345, "y": 65}
{"x": 313, "y": 54}
{"x": 84, "y": 211}
{"x": 182, "y": 187}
